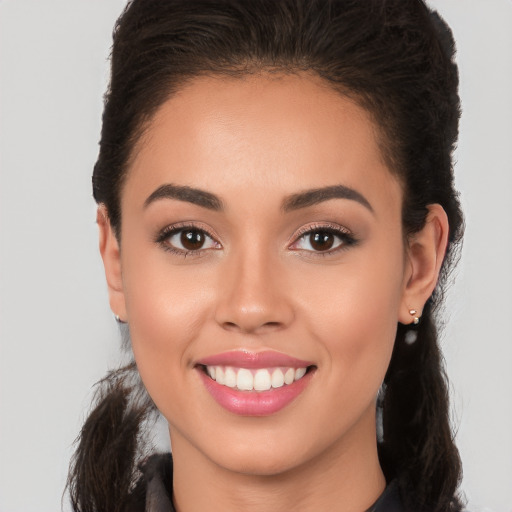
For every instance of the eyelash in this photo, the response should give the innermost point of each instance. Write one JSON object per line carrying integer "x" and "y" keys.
{"x": 346, "y": 238}
{"x": 169, "y": 231}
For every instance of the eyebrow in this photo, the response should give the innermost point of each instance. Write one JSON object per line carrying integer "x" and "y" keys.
{"x": 187, "y": 194}
{"x": 319, "y": 195}
{"x": 294, "y": 202}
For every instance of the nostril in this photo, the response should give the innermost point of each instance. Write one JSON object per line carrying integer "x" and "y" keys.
{"x": 273, "y": 324}
{"x": 231, "y": 326}
{"x": 249, "y": 327}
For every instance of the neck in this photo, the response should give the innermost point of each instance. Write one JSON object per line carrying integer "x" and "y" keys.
{"x": 346, "y": 476}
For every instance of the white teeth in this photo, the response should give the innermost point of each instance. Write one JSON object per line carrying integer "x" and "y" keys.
{"x": 230, "y": 377}
{"x": 289, "y": 376}
{"x": 261, "y": 379}
{"x": 244, "y": 380}
{"x": 299, "y": 373}
{"x": 277, "y": 378}
{"x": 219, "y": 375}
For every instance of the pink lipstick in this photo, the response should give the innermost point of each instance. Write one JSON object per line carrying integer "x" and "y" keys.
{"x": 246, "y": 359}
{"x": 254, "y": 383}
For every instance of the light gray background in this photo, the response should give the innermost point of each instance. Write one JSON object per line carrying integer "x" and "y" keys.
{"x": 56, "y": 332}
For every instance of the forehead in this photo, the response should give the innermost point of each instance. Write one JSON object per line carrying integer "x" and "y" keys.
{"x": 263, "y": 132}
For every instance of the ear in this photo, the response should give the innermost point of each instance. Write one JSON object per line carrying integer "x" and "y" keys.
{"x": 424, "y": 258}
{"x": 109, "y": 249}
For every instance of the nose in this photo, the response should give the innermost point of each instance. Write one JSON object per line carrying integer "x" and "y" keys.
{"x": 253, "y": 296}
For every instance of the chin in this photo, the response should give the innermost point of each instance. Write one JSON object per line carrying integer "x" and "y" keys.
{"x": 263, "y": 463}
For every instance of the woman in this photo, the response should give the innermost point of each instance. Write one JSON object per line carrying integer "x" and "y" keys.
{"x": 276, "y": 215}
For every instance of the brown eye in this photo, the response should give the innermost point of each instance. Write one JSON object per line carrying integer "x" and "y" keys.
{"x": 192, "y": 239}
{"x": 321, "y": 240}
{"x": 187, "y": 240}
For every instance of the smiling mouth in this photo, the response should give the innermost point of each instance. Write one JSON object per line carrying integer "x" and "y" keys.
{"x": 260, "y": 379}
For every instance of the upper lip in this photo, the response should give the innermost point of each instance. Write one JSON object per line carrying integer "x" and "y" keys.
{"x": 253, "y": 360}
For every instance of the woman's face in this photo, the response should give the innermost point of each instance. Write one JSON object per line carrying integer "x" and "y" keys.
{"x": 261, "y": 234}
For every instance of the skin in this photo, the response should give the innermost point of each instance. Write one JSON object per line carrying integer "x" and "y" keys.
{"x": 260, "y": 285}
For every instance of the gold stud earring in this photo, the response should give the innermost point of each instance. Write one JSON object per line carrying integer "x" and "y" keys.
{"x": 416, "y": 319}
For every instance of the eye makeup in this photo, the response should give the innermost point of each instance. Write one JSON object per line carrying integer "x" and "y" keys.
{"x": 188, "y": 238}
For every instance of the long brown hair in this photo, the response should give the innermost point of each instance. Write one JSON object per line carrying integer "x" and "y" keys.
{"x": 395, "y": 57}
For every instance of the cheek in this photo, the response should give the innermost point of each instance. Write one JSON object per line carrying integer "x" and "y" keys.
{"x": 353, "y": 312}
{"x": 359, "y": 331}
{"x": 166, "y": 311}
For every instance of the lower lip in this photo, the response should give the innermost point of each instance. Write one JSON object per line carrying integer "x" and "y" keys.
{"x": 255, "y": 403}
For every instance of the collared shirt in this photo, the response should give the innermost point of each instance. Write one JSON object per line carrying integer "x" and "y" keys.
{"x": 153, "y": 492}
